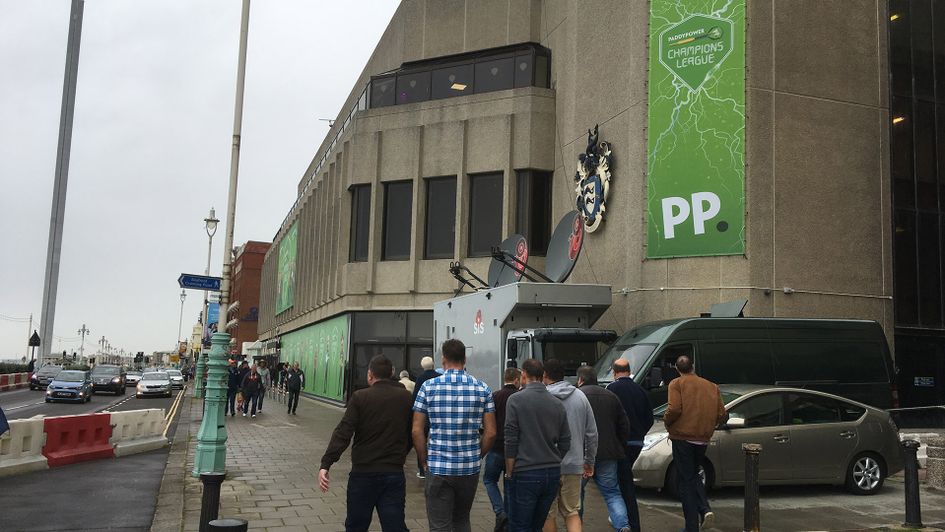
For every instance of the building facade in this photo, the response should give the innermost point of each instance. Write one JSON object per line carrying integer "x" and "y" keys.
{"x": 243, "y": 312}
{"x": 750, "y": 159}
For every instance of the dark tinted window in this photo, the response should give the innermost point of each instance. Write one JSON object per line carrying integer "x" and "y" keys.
{"x": 441, "y": 218}
{"x": 382, "y": 91}
{"x": 905, "y": 273}
{"x": 736, "y": 362}
{"x": 804, "y": 409}
{"x": 524, "y": 70}
{"x": 413, "y": 87}
{"x": 665, "y": 364}
{"x": 843, "y": 362}
{"x": 360, "y": 223}
{"x": 495, "y": 75}
{"x": 454, "y": 80}
{"x": 900, "y": 45}
{"x": 485, "y": 213}
{"x": 930, "y": 280}
{"x": 923, "y": 80}
{"x": 398, "y": 212}
{"x": 542, "y": 74}
{"x": 901, "y": 158}
{"x": 420, "y": 326}
{"x": 533, "y": 209}
{"x": 760, "y": 411}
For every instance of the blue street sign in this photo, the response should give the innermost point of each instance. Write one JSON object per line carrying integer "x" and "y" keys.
{"x": 199, "y": 282}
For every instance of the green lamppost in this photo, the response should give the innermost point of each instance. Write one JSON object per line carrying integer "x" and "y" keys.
{"x": 210, "y": 224}
{"x": 211, "y": 438}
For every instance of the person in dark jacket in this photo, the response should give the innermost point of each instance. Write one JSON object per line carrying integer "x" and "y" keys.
{"x": 636, "y": 403}
{"x": 495, "y": 461}
{"x": 613, "y": 431}
{"x": 378, "y": 417}
{"x": 428, "y": 373}
{"x": 232, "y": 388}
{"x": 252, "y": 386}
{"x": 294, "y": 381}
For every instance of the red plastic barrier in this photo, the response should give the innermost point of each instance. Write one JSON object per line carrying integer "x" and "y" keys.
{"x": 71, "y": 439}
{"x": 19, "y": 378}
{"x": 4, "y": 381}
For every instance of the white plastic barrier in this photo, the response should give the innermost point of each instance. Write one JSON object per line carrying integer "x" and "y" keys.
{"x": 137, "y": 431}
{"x": 21, "y": 449}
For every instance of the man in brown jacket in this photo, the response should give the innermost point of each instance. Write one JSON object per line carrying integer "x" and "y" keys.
{"x": 695, "y": 408}
{"x": 378, "y": 417}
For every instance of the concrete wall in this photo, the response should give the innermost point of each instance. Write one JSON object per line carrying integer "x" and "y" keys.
{"x": 817, "y": 188}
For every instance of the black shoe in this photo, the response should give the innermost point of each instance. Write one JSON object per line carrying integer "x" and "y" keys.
{"x": 707, "y": 519}
{"x": 501, "y": 522}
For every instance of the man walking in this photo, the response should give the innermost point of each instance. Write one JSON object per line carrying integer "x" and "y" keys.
{"x": 456, "y": 405}
{"x": 613, "y": 431}
{"x": 428, "y": 373}
{"x": 495, "y": 460}
{"x": 695, "y": 408}
{"x": 232, "y": 387}
{"x": 295, "y": 380}
{"x": 378, "y": 417}
{"x": 636, "y": 403}
{"x": 537, "y": 437}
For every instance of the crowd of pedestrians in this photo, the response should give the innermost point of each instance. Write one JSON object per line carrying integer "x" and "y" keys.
{"x": 247, "y": 386}
{"x": 544, "y": 437}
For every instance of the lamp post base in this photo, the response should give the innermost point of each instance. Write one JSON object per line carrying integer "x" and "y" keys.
{"x": 210, "y": 456}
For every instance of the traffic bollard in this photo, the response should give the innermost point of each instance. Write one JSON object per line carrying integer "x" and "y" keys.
{"x": 913, "y": 504}
{"x": 210, "y": 501}
{"x": 752, "y": 498}
{"x": 228, "y": 525}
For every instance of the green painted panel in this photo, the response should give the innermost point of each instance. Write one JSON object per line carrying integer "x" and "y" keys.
{"x": 285, "y": 275}
{"x": 322, "y": 352}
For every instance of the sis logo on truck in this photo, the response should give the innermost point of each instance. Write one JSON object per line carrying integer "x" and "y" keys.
{"x": 479, "y": 327}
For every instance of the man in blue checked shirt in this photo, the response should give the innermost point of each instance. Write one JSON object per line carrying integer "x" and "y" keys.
{"x": 457, "y": 406}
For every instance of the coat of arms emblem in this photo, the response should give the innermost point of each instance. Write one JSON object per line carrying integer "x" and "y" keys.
{"x": 592, "y": 181}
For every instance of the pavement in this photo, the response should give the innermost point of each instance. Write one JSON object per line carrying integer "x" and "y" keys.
{"x": 272, "y": 472}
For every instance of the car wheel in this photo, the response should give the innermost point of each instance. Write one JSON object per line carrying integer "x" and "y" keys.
{"x": 32, "y": 387}
{"x": 706, "y": 473}
{"x": 48, "y": 401}
{"x": 866, "y": 474}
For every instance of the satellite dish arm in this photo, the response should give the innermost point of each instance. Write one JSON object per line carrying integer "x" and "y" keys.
{"x": 455, "y": 270}
{"x": 512, "y": 261}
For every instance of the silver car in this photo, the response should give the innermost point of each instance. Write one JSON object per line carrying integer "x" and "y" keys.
{"x": 177, "y": 378}
{"x": 807, "y": 437}
{"x": 154, "y": 383}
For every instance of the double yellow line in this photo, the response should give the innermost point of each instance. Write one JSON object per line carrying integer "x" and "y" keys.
{"x": 170, "y": 415}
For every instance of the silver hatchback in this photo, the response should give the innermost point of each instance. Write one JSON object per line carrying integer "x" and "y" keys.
{"x": 807, "y": 437}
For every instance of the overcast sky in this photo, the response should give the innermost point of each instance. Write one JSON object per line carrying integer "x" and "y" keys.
{"x": 151, "y": 148}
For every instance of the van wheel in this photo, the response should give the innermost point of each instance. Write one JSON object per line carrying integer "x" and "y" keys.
{"x": 866, "y": 474}
{"x": 706, "y": 473}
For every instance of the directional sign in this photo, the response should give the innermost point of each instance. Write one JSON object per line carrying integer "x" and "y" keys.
{"x": 199, "y": 282}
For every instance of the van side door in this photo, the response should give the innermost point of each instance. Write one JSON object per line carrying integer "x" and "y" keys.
{"x": 663, "y": 370}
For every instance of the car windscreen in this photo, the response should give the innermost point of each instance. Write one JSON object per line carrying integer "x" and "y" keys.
{"x": 727, "y": 398}
{"x": 636, "y": 354}
{"x": 71, "y": 376}
{"x": 155, "y": 376}
{"x": 174, "y": 373}
{"x": 104, "y": 371}
{"x": 49, "y": 370}
{"x": 134, "y": 374}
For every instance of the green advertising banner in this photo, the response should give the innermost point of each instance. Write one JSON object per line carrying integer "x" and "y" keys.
{"x": 285, "y": 275}
{"x": 696, "y": 129}
{"x": 322, "y": 353}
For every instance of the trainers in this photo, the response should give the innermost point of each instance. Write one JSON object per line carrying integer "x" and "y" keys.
{"x": 708, "y": 519}
{"x": 244, "y": 414}
{"x": 421, "y": 476}
{"x": 254, "y": 416}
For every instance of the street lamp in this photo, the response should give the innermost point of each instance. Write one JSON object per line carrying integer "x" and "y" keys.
{"x": 180, "y": 323}
{"x": 210, "y": 224}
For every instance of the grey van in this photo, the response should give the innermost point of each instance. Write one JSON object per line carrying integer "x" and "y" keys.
{"x": 849, "y": 358}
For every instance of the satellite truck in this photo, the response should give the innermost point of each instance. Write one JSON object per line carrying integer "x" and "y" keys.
{"x": 521, "y": 313}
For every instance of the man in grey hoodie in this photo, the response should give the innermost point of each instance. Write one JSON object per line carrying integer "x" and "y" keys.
{"x": 579, "y": 462}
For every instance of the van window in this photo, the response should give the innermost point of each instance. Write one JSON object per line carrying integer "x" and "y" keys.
{"x": 761, "y": 411}
{"x": 666, "y": 361}
{"x": 572, "y": 355}
{"x": 736, "y": 362}
{"x": 636, "y": 355}
{"x": 843, "y": 362}
{"x": 812, "y": 409}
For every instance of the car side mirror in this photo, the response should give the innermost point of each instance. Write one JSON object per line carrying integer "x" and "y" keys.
{"x": 735, "y": 422}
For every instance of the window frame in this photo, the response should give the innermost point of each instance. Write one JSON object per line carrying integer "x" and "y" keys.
{"x": 355, "y": 225}
{"x": 471, "y": 218}
{"x": 385, "y": 252}
{"x": 427, "y": 254}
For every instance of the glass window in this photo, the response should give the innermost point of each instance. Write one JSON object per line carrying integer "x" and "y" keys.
{"x": 398, "y": 213}
{"x": 829, "y": 361}
{"x": 938, "y": 30}
{"x": 454, "y": 80}
{"x": 572, "y": 355}
{"x": 905, "y": 270}
{"x": 360, "y": 223}
{"x": 666, "y": 363}
{"x": 415, "y": 354}
{"x": 760, "y": 411}
{"x": 922, "y": 61}
{"x": 388, "y": 327}
{"x": 485, "y": 213}
{"x": 533, "y": 209}
{"x": 851, "y": 412}
{"x": 420, "y": 326}
{"x": 741, "y": 362}
{"x": 925, "y": 148}
{"x": 930, "y": 279}
{"x": 413, "y": 87}
{"x": 542, "y": 74}
{"x": 440, "y": 232}
{"x": 363, "y": 355}
{"x": 808, "y": 409}
{"x": 382, "y": 91}
{"x": 901, "y": 154}
{"x": 495, "y": 75}
{"x": 524, "y": 70}
{"x": 900, "y": 46}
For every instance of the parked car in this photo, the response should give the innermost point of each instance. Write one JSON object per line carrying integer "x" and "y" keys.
{"x": 108, "y": 378}
{"x": 154, "y": 383}
{"x": 132, "y": 378}
{"x": 808, "y": 437}
{"x": 70, "y": 385}
{"x": 177, "y": 378}
{"x": 41, "y": 378}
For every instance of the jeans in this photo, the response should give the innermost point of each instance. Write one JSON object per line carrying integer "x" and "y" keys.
{"x": 230, "y": 402}
{"x": 449, "y": 499}
{"x": 607, "y": 480}
{"x": 293, "y": 400}
{"x": 491, "y": 473}
{"x": 250, "y": 398}
{"x": 687, "y": 457}
{"x": 529, "y": 495}
{"x": 262, "y": 395}
{"x": 385, "y": 491}
{"x": 627, "y": 488}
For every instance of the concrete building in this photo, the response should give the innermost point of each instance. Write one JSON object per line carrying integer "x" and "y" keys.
{"x": 467, "y": 122}
{"x": 243, "y": 311}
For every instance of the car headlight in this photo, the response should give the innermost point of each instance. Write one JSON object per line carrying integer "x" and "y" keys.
{"x": 116, "y": 379}
{"x": 48, "y": 392}
{"x": 652, "y": 440}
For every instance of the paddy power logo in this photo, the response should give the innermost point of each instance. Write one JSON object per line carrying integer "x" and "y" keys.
{"x": 692, "y": 49}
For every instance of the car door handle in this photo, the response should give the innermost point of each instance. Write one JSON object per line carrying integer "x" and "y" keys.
{"x": 781, "y": 438}
{"x": 847, "y": 434}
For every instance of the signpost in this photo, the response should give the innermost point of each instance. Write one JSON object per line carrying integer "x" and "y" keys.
{"x": 199, "y": 282}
